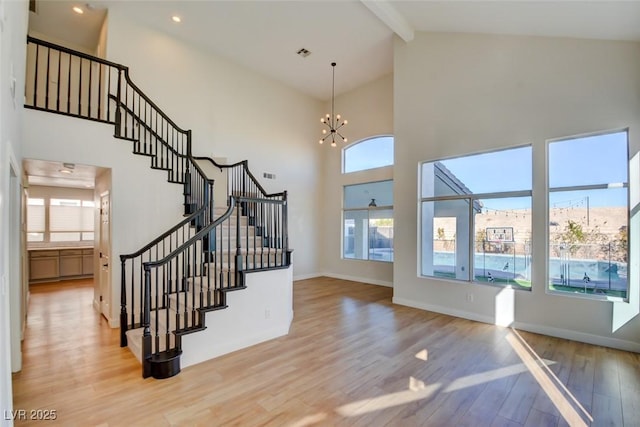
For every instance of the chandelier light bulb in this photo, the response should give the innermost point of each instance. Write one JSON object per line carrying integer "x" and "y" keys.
{"x": 321, "y": 141}
{"x": 322, "y": 120}
{"x": 324, "y": 131}
{"x": 338, "y": 117}
{"x": 333, "y": 143}
{"x": 344, "y": 139}
{"x": 345, "y": 122}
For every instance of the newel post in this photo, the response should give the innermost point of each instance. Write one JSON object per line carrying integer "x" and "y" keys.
{"x": 123, "y": 304}
{"x": 146, "y": 324}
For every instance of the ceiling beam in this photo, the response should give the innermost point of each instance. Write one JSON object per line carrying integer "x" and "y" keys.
{"x": 391, "y": 18}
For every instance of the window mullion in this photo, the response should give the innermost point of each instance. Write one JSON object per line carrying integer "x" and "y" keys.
{"x": 471, "y": 241}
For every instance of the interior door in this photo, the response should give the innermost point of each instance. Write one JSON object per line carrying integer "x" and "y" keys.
{"x": 104, "y": 246}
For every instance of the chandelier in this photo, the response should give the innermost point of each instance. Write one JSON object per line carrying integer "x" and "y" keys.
{"x": 333, "y": 121}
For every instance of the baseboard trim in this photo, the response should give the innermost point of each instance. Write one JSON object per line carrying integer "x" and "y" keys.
{"x": 359, "y": 279}
{"x": 306, "y": 276}
{"x": 113, "y": 323}
{"x": 579, "y": 336}
{"x": 537, "y": 329}
{"x": 444, "y": 310}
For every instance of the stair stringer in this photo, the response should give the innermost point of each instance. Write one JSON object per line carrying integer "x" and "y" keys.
{"x": 260, "y": 312}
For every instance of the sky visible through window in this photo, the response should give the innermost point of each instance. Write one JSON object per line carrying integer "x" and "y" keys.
{"x": 368, "y": 154}
{"x": 600, "y": 159}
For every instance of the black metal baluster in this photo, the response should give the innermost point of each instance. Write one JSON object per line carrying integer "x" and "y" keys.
{"x": 69, "y": 87}
{"x": 155, "y": 139}
{"x": 35, "y": 80}
{"x": 90, "y": 87}
{"x": 46, "y": 95}
{"x": 100, "y": 67}
{"x": 58, "y": 80}
{"x": 126, "y": 110}
{"x": 80, "y": 90}
{"x": 108, "y": 93}
{"x": 146, "y": 131}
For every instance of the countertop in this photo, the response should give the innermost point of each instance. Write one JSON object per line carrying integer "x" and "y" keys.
{"x": 56, "y": 248}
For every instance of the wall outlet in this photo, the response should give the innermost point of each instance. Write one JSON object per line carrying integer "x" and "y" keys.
{"x": 470, "y": 297}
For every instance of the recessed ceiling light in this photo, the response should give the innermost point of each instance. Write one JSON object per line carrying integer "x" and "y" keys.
{"x": 78, "y": 10}
{"x": 176, "y": 18}
{"x": 66, "y": 171}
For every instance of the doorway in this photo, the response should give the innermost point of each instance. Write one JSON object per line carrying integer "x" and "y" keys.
{"x": 71, "y": 192}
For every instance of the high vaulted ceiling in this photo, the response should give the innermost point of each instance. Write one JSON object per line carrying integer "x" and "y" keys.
{"x": 357, "y": 34}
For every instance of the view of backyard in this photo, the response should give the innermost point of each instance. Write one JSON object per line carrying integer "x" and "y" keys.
{"x": 587, "y": 248}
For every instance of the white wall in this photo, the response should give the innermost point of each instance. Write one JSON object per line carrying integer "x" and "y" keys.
{"x": 261, "y": 312}
{"x": 369, "y": 110}
{"x": 13, "y": 30}
{"x": 143, "y": 203}
{"x": 233, "y": 113}
{"x": 466, "y": 93}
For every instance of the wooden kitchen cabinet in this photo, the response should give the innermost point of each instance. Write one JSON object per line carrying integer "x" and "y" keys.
{"x": 44, "y": 265}
{"x": 71, "y": 263}
{"x": 51, "y": 265}
{"x": 87, "y": 262}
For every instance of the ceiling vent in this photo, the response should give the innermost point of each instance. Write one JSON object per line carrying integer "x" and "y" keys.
{"x": 303, "y": 52}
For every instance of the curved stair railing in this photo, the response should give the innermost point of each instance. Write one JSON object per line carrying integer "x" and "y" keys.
{"x": 169, "y": 284}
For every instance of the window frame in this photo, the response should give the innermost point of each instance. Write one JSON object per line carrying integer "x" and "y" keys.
{"x": 549, "y": 190}
{"x": 472, "y": 199}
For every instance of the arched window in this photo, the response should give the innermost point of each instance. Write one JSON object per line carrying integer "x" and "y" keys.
{"x": 369, "y": 153}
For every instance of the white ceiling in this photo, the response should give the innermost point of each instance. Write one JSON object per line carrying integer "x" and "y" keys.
{"x": 57, "y": 20}
{"x": 47, "y": 173}
{"x": 265, "y": 35}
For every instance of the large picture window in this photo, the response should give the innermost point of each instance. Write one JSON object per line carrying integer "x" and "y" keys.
{"x": 368, "y": 221}
{"x": 476, "y": 218}
{"x": 589, "y": 215}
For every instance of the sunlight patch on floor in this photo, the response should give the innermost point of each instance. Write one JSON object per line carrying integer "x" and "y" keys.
{"x": 563, "y": 400}
{"x": 310, "y": 420}
{"x": 418, "y": 390}
{"x": 422, "y": 355}
{"x": 492, "y": 375}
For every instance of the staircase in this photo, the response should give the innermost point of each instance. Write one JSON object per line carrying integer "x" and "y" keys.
{"x": 170, "y": 286}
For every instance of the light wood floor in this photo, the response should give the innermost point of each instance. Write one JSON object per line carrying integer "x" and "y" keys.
{"x": 351, "y": 358}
